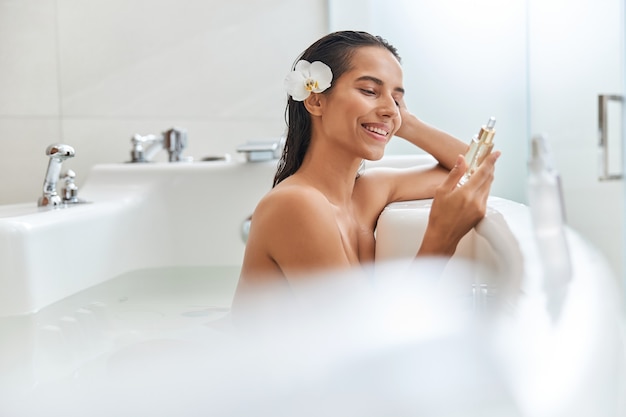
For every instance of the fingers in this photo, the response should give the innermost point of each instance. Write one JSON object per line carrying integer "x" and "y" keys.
{"x": 479, "y": 184}
{"x": 481, "y": 179}
{"x": 402, "y": 103}
{"x": 484, "y": 174}
{"x": 492, "y": 158}
{"x": 456, "y": 210}
{"x": 455, "y": 173}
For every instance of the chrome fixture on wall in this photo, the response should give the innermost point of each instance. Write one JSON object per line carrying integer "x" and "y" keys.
{"x": 262, "y": 150}
{"x": 144, "y": 148}
{"x": 610, "y": 167}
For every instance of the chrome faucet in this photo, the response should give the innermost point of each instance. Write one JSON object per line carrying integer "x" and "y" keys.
{"x": 144, "y": 148}
{"x": 57, "y": 154}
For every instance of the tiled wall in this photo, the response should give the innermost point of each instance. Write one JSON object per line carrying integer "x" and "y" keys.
{"x": 93, "y": 73}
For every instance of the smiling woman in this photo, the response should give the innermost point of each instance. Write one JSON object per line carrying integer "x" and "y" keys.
{"x": 322, "y": 212}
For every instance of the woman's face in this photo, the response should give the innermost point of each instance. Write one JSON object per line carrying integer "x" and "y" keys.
{"x": 361, "y": 111}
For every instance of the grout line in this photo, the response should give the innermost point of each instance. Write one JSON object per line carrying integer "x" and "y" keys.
{"x": 28, "y": 116}
{"x": 529, "y": 125}
{"x": 59, "y": 69}
{"x": 138, "y": 118}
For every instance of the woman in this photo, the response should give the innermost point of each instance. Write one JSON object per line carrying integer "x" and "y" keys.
{"x": 321, "y": 213}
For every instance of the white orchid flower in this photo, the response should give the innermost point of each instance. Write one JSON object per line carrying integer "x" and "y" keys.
{"x": 308, "y": 77}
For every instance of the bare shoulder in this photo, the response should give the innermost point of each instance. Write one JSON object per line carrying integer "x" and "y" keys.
{"x": 291, "y": 213}
{"x": 289, "y": 202}
{"x": 295, "y": 227}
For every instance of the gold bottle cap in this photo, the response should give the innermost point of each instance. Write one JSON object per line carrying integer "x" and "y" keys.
{"x": 487, "y": 132}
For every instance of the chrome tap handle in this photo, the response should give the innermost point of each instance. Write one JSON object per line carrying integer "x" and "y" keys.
{"x": 175, "y": 141}
{"x": 137, "y": 151}
{"x": 70, "y": 190}
{"x": 57, "y": 154}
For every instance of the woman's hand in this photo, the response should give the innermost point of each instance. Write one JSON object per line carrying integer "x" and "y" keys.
{"x": 456, "y": 210}
{"x": 408, "y": 119}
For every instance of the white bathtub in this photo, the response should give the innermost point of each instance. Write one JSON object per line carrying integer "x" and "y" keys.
{"x": 140, "y": 216}
{"x": 117, "y": 308}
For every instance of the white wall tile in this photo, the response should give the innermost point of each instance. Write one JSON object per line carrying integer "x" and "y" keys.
{"x": 24, "y": 168}
{"x": 142, "y": 66}
{"x": 28, "y": 59}
{"x": 189, "y": 59}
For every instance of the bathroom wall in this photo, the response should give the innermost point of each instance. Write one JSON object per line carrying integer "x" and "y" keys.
{"x": 577, "y": 53}
{"x": 93, "y": 73}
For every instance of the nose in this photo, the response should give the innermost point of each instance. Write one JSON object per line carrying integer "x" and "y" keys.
{"x": 388, "y": 106}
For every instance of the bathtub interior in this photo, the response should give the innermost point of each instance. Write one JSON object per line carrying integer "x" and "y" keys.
{"x": 81, "y": 336}
{"x": 151, "y": 341}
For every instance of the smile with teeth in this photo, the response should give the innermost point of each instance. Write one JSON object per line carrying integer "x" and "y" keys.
{"x": 376, "y": 130}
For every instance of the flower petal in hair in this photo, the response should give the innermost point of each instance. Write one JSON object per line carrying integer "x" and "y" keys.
{"x": 308, "y": 77}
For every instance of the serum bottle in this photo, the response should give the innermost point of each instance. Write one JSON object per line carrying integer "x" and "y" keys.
{"x": 480, "y": 146}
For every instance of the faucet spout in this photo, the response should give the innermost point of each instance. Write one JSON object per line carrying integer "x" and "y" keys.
{"x": 57, "y": 154}
{"x": 145, "y": 147}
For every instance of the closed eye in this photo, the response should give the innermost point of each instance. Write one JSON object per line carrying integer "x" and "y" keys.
{"x": 368, "y": 92}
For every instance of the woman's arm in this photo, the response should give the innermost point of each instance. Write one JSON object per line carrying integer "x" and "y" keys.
{"x": 441, "y": 145}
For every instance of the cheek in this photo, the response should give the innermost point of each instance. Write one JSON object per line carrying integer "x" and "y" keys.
{"x": 397, "y": 123}
{"x": 344, "y": 112}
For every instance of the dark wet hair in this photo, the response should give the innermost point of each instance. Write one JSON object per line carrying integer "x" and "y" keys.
{"x": 335, "y": 50}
